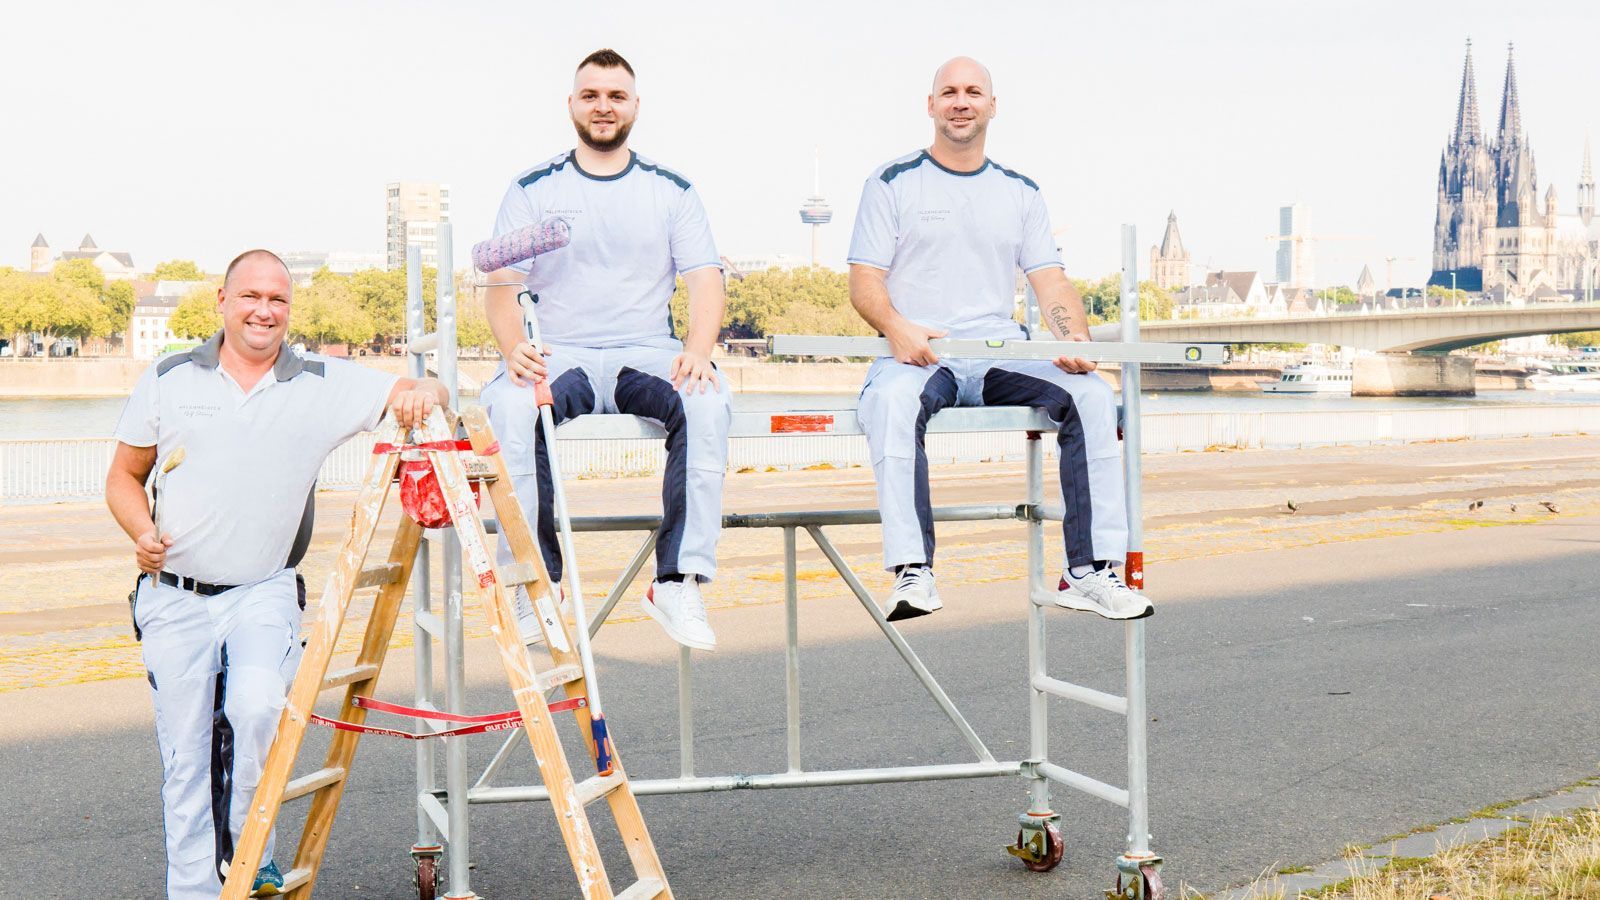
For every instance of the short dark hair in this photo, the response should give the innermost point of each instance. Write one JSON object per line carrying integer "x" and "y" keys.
{"x": 606, "y": 58}
{"x": 247, "y": 255}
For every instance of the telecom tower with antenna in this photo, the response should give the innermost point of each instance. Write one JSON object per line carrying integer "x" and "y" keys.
{"x": 815, "y": 211}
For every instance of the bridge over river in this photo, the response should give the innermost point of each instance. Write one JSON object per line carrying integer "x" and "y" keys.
{"x": 1412, "y": 343}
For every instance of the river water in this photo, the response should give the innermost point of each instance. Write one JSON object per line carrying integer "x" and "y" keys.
{"x": 76, "y": 417}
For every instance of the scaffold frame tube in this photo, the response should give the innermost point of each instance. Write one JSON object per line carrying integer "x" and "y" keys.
{"x": 441, "y": 812}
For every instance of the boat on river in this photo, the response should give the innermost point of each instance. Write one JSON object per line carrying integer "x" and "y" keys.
{"x": 1310, "y": 378}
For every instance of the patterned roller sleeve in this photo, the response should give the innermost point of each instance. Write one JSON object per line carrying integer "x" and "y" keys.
{"x": 521, "y": 245}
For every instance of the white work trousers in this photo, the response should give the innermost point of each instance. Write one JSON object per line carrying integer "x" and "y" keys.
{"x": 633, "y": 380}
{"x": 899, "y": 399}
{"x": 219, "y": 668}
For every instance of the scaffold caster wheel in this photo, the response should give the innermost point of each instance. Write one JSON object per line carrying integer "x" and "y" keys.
{"x": 1145, "y": 886}
{"x": 1039, "y": 844}
{"x": 1152, "y": 883}
{"x": 429, "y": 875}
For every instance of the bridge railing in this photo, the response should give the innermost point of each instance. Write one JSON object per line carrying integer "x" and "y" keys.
{"x": 1356, "y": 311}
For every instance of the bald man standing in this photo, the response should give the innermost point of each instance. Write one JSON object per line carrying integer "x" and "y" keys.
{"x": 939, "y": 236}
{"x": 217, "y": 606}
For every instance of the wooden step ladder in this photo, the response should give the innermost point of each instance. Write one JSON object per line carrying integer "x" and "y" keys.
{"x": 325, "y": 786}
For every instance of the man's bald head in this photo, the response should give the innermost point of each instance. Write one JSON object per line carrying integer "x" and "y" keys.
{"x": 257, "y": 254}
{"x": 961, "y": 71}
{"x": 961, "y": 104}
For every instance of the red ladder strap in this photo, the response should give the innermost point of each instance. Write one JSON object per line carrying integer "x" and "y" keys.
{"x": 380, "y": 448}
{"x": 479, "y": 724}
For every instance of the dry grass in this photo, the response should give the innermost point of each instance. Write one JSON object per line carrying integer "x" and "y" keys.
{"x": 1554, "y": 858}
{"x": 1550, "y": 859}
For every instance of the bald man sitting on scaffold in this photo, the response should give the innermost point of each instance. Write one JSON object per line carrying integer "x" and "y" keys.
{"x": 938, "y": 238}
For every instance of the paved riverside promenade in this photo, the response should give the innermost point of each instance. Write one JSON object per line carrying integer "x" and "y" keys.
{"x": 1382, "y": 659}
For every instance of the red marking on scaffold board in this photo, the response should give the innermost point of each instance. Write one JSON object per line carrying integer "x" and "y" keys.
{"x": 802, "y": 424}
{"x": 1135, "y": 569}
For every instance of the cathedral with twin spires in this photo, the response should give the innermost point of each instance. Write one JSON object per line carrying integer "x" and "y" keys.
{"x": 1493, "y": 231}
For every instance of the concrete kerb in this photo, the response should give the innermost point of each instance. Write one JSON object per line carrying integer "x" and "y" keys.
{"x": 1421, "y": 844}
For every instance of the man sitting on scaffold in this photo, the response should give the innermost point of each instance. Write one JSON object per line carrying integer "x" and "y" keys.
{"x": 938, "y": 238}
{"x": 603, "y": 309}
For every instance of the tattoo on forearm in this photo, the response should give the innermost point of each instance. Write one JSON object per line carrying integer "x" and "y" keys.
{"x": 1061, "y": 319}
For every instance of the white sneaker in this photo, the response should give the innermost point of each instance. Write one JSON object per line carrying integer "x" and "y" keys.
{"x": 1103, "y": 594}
{"x": 914, "y": 594}
{"x": 677, "y": 608}
{"x": 528, "y": 628}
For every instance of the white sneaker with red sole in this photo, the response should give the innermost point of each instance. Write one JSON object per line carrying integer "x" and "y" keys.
{"x": 677, "y": 608}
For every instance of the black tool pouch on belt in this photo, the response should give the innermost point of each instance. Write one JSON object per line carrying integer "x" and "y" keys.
{"x": 302, "y": 540}
{"x": 133, "y": 612}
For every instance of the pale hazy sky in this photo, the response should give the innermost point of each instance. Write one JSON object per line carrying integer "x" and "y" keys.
{"x": 198, "y": 129}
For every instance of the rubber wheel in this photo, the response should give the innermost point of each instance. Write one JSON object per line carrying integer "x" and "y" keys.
{"x": 1153, "y": 889}
{"x": 427, "y": 877}
{"x": 1055, "y": 849}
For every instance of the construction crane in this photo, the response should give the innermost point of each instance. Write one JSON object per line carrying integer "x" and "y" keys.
{"x": 1297, "y": 238}
{"x": 1389, "y": 278}
{"x": 1298, "y": 242}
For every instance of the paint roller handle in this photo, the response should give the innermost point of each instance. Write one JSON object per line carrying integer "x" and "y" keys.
{"x": 521, "y": 245}
{"x": 530, "y": 330}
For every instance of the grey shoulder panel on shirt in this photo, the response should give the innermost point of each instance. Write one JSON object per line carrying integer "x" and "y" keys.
{"x": 664, "y": 172}
{"x": 554, "y": 165}
{"x": 172, "y": 362}
{"x": 315, "y": 367}
{"x": 1015, "y": 174}
{"x": 891, "y": 172}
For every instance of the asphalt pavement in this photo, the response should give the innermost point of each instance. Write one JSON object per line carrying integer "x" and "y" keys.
{"x": 1301, "y": 699}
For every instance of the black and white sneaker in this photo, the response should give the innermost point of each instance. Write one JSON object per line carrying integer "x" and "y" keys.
{"x": 1103, "y": 594}
{"x": 914, "y": 594}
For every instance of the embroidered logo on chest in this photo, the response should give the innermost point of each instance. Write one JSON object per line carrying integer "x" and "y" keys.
{"x": 198, "y": 410}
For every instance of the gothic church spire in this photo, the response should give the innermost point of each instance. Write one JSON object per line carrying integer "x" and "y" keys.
{"x": 1586, "y": 187}
{"x": 1467, "y": 110}
{"x": 1510, "y": 110}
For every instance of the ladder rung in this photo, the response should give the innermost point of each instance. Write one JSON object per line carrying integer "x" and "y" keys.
{"x": 643, "y": 889}
{"x": 339, "y": 677}
{"x": 592, "y": 789}
{"x": 295, "y": 878}
{"x": 558, "y": 675}
{"x": 514, "y": 574}
{"x": 313, "y": 781}
{"x": 373, "y": 576}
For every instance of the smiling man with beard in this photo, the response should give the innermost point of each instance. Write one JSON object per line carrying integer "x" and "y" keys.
{"x": 603, "y": 307}
{"x": 939, "y": 237}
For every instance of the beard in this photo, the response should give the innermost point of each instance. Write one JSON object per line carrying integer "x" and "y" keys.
{"x": 955, "y": 137}
{"x": 603, "y": 146}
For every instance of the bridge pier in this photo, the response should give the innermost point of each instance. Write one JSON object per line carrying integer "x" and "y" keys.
{"x": 1413, "y": 375}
